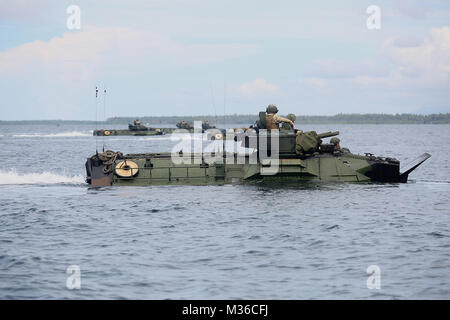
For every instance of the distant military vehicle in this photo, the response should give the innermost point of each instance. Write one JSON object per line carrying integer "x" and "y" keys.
{"x": 134, "y": 129}
{"x": 188, "y": 126}
{"x": 205, "y": 126}
{"x": 138, "y": 129}
{"x": 184, "y": 125}
{"x": 302, "y": 156}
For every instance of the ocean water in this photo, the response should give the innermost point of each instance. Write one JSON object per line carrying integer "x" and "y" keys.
{"x": 243, "y": 241}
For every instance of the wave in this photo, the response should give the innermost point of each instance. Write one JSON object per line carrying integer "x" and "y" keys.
{"x": 169, "y": 137}
{"x": 12, "y": 177}
{"x": 57, "y": 135}
{"x": 432, "y": 181}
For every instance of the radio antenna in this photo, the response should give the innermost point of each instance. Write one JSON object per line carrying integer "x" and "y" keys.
{"x": 104, "y": 115}
{"x": 96, "y": 120}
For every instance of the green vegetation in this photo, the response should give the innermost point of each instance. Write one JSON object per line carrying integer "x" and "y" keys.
{"x": 247, "y": 119}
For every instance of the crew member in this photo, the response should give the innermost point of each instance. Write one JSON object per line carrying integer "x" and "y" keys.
{"x": 286, "y": 125}
{"x": 273, "y": 120}
{"x": 337, "y": 147}
{"x": 335, "y": 141}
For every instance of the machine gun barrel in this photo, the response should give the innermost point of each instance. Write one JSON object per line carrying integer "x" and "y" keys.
{"x": 328, "y": 134}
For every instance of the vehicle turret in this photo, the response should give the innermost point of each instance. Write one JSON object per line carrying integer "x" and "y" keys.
{"x": 137, "y": 126}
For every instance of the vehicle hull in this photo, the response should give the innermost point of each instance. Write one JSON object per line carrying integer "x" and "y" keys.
{"x": 159, "y": 169}
{"x": 114, "y": 132}
{"x": 151, "y": 132}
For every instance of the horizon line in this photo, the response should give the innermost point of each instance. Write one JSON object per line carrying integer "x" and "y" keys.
{"x": 233, "y": 115}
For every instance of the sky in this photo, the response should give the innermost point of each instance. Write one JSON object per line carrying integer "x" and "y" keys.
{"x": 207, "y": 57}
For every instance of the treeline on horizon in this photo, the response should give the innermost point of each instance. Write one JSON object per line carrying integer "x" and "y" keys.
{"x": 406, "y": 118}
{"x": 375, "y": 118}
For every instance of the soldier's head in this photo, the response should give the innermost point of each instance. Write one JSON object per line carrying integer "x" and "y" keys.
{"x": 291, "y": 117}
{"x": 272, "y": 109}
{"x": 335, "y": 141}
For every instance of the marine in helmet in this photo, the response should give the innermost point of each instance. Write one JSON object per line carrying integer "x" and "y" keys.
{"x": 137, "y": 126}
{"x": 273, "y": 120}
{"x": 335, "y": 142}
{"x": 184, "y": 125}
{"x": 206, "y": 125}
{"x": 337, "y": 147}
{"x": 286, "y": 125}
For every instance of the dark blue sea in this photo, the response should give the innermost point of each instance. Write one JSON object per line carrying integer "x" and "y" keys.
{"x": 241, "y": 241}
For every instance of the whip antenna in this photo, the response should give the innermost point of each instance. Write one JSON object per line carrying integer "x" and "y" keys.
{"x": 96, "y": 116}
{"x": 104, "y": 116}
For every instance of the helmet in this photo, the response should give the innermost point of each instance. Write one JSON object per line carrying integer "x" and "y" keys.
{"x": 291, "y": 117}
{"x": 272, "y": 108}
{"x": 335, "y": 141}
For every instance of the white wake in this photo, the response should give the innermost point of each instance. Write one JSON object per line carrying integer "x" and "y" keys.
{"x": 55, "y": 135}
{"x": 12, "y": 177}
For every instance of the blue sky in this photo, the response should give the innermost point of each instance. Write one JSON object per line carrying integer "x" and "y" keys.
{"x": 185, "y": 57}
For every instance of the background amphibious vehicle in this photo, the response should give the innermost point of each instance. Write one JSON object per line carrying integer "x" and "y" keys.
{"x": 134, "y": 129}
{"x": 138, "y": 129}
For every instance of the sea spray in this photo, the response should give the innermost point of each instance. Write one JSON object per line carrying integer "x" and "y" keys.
{"x": 55, "y": 135}
{"x": 11, "y": 177}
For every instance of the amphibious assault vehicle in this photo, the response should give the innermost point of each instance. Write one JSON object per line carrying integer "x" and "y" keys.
{"x": 135, "y": 129}
{"x": 185, "y": 125}
{"x": 280, "y": 155}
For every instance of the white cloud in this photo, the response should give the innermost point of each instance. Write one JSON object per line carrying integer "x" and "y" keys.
{"x": 56, "y": 76}
{"x": 412, "y": 63}
{"x": 257, "y": 87}
{"x": 427, "y": 63}
{"x": 78, "y": 55}
{"x": 402, "y": 62}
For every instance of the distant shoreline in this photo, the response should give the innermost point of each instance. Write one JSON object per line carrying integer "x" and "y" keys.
{"x": 247, "y": 119}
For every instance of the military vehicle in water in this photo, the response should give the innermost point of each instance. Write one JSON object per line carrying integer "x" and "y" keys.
{"x": 188, "y": 126}
{"x": 184, "y": 125}
{"x": 205, "y": 126}
{"x": 135, "y": 129}
{"x": 138, "y": 129}
{"x": 299, "y": 156}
